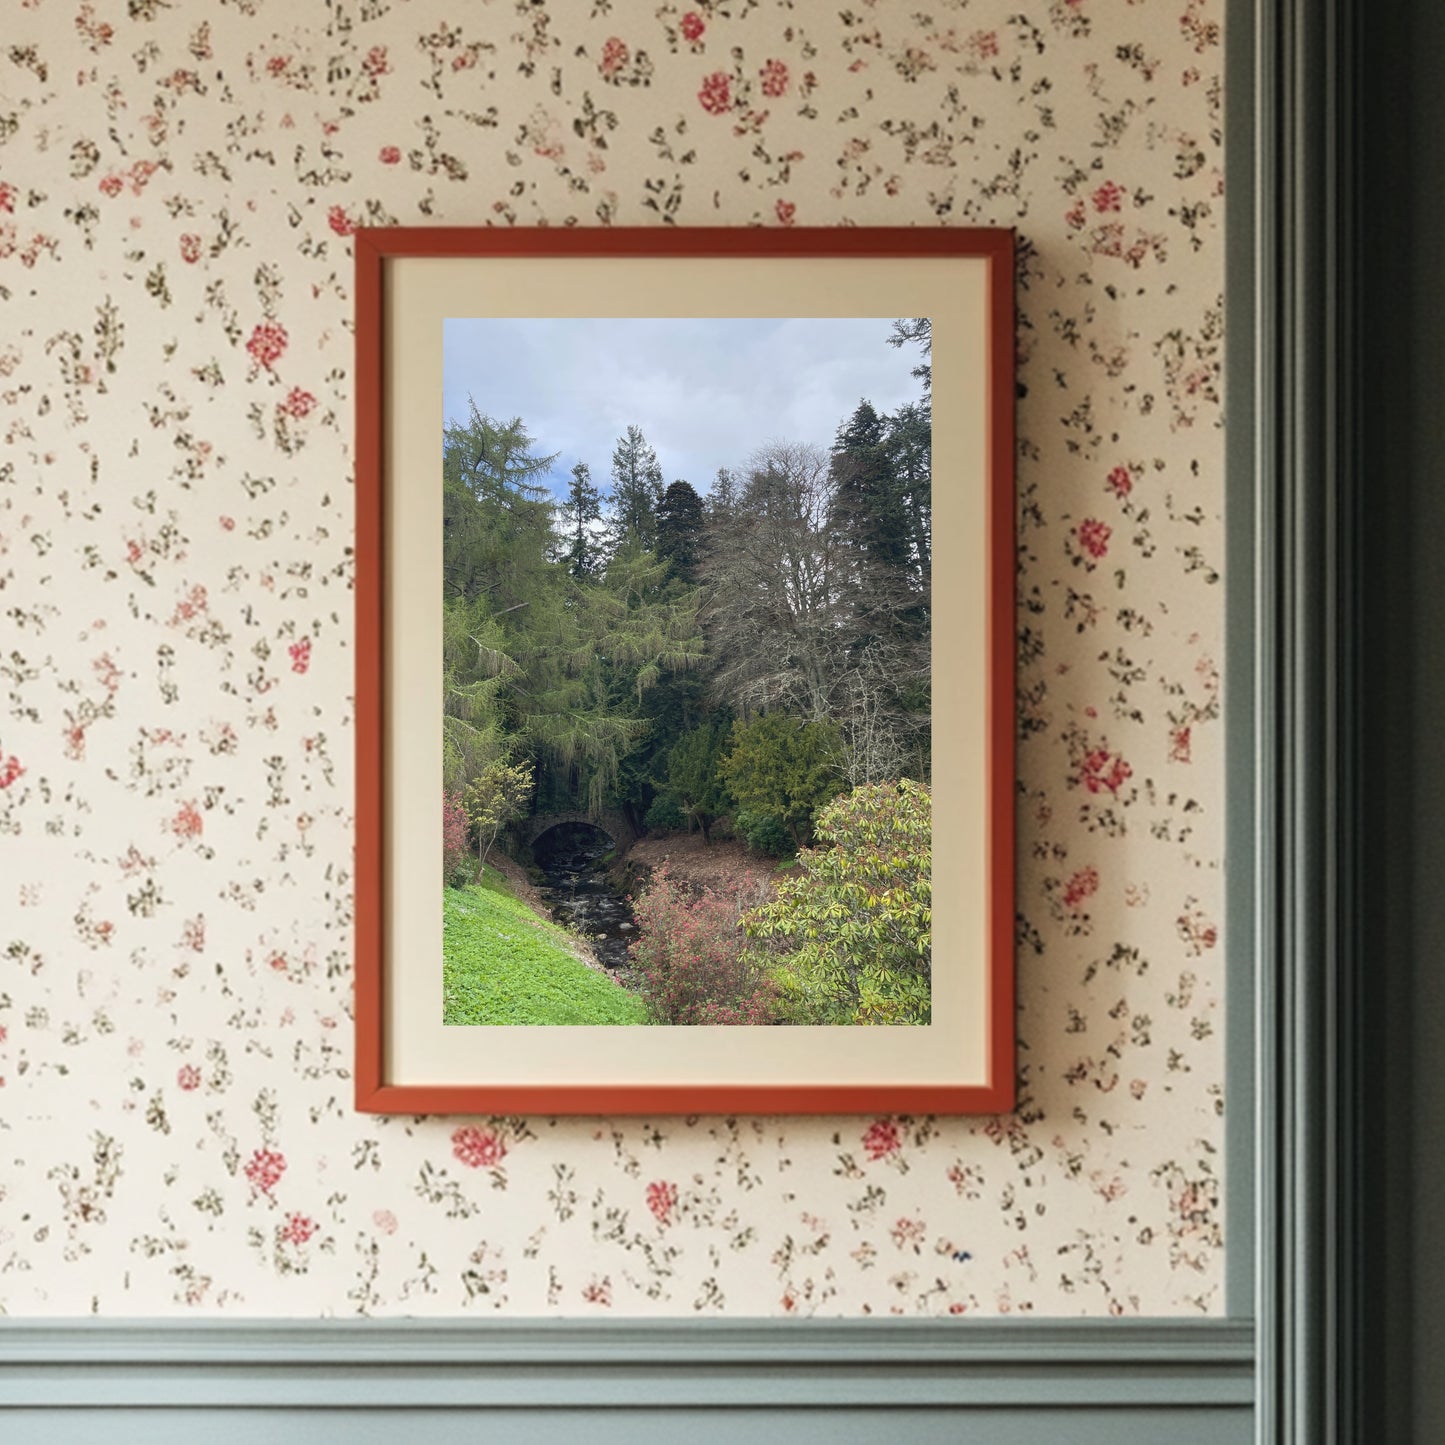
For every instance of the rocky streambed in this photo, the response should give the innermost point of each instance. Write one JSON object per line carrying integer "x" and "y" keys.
{"x": 581, "y": 893}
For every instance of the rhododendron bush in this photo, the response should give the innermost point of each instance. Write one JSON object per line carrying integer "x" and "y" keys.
{"x": 851, "y": 932}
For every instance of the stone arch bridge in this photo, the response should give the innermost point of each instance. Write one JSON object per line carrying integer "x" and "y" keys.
{"x": 611, "y": 821}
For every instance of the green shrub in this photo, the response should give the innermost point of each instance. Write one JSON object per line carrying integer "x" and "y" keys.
{"x": 850, "y": 934}
{"x": 764, "y": 833}
{"x": 694, "y": 777}
{"x": 664, "y": 815}
{"x": 779, "y": 766}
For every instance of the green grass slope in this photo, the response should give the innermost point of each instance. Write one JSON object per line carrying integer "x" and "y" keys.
{"x": 503, "y": 964}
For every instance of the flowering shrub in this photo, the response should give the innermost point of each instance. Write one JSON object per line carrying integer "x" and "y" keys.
{"x": 689, "y": 959}
{"x": 458, "y": 861}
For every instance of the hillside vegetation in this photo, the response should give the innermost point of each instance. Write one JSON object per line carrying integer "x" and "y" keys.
{"x": 503, "y": 964}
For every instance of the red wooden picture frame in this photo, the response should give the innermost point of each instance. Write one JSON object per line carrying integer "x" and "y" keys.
{"x": 375, "y": 251}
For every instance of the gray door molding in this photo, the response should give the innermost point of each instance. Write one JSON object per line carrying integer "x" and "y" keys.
{"x": 1308, "y": 956}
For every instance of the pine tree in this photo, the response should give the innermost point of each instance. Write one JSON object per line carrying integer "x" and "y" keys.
{"x": 679, "y": 530}
{"x": 868, "y": 505}
{"x": 918, "y": 329}
{"x": 724, "y": 495}
{"x": 636, "y": 490}
{"x": 909, "y": 445}
{"x": 580, "y": 512}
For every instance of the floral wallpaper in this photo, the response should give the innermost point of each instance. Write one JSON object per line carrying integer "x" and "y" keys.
{"x": 177, "y": 188}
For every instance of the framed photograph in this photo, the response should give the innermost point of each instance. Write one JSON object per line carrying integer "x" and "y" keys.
{"x": 684, "y": 680}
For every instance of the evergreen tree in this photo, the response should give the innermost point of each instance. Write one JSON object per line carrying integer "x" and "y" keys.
{"x": 496, "y": 519}
{"x": 723, "y": 497}
{"x": 917, "y": 329}
{"x": 492, "y": 458}
{"x": 580, "y": 512}
{"x": 679, "y": 530}
{"x": 868, "y": 503}
{"x": 782, "y": 767}
{"x": 694, "y": 773}
{"x": 636, "y": 490}
{"x": 882, "y": 513}
{"x": 909, "y": 446}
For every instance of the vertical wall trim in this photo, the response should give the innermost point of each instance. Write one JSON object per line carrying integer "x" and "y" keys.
{"x": 1240, "y": 663}
{"x": 1306, "y": 953}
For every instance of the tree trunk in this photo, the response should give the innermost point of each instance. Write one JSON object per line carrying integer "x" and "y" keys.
{"x": 486, "y": 853}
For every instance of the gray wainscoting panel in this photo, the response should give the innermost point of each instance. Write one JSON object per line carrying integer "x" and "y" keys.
{"x": 897, "y": 1426}
{"x": 1092, "y": 1381}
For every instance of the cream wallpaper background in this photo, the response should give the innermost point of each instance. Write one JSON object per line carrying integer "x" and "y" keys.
{"x": 177, "y": 185}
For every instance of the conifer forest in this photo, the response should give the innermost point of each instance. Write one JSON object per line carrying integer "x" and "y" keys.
{"x": 728, "y": 673}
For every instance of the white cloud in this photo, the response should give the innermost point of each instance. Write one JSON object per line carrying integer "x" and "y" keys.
{"x": 705, "y": 392}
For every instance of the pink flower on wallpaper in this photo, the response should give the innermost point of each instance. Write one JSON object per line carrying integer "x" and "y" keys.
{"x": 598, "y": 1291}
{"x": 775, "y": 79}
{"x": 300, "y": 655}
{"x": 376, "y": 62}
{"x": 785, "y": 212}
{"x": 1104, "y": 772}
{"x": 662, "y": 1200}
{"x": 983, "y": 44}
{"x": 384, "y": 1220}
{"x": 7, "y": 196}
{"x": 265, "y": 1168}
{"x": 390, "y": 155}
{"x": 615, "y": 55}
{"x": 339, "y": 221}
{"x": 478, "y": 1148}
{"x": 692, "y": 26}
{"x": 1084, "y": 884}
{"x": 716, "y": 96}
{"x": 1180, "y": 742}
{"x": 298, "y": 403}
{"x": 881, "y": 1139}
{"x": 1108, "y": 197}
{"x": 297, "y": 1229}
{"x": 190, "y": 248}
{"x": 268, "y": 343}
{"x": 1094, "y": 537}
{"x": 1120, "y": 482}
{"x": 187, "y": 822}
{"x": 10, "y": 771}
{"x": 188, "y": 1078}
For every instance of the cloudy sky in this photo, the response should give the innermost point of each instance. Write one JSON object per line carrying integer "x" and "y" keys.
{"x": 706, "y": 393}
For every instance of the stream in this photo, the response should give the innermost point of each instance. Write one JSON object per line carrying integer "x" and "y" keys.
{"x": 578, "y": 893}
